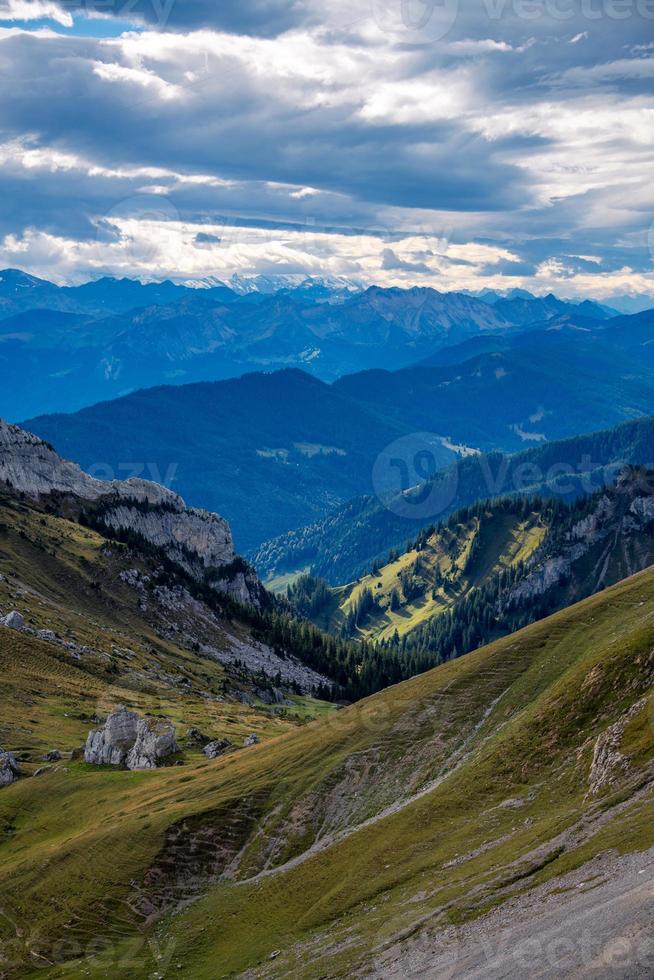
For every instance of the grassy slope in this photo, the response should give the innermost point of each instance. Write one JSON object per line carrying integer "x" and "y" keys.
{"x": 516, "y": 720}
{"x": 62, "y": 577}
{"x": 502, "y": 540}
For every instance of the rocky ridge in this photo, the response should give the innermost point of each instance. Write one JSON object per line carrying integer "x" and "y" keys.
{"x": 618, "y": 515}
{"x": 198, "y": 541}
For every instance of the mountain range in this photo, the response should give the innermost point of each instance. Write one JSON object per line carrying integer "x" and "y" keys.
{"x": 62, "y": 348}
{"x": 274, "y": 452}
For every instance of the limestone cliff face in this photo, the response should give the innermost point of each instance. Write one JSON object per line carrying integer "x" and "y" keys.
{"x": 181, "y": 533}
{"x": 618, "y": 528}
{"x": 32, "y": 466}
{"x": 195, "y": 539}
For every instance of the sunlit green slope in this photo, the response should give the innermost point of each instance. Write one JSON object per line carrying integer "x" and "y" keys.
{"x": 308, "y": 855}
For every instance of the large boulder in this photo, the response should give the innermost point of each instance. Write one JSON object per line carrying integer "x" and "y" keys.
{"x": 131, "y": 741}
{"x": 13, "y": 620}
{"x": 110, "y": 745}
{"x": 9, "y": 771}
{"x": 215, "y": 749}
{"x": 155, "y": 741}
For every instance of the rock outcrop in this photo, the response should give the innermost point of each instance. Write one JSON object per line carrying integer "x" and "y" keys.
{"x": 609, "y": 765}
{"x": 198, "y": 541}
{"x": 250, "y": 740}
{"x": 618, "y": 513}
{"x": 195, "y": 737}
{"x": 13, "y": 620}
{"x": 130, "y": 741}
{"x": 9, "y": 771}
{"x": 155, "y": 741}
{"x": 215, "y": 749}
{"x": 110, "y": 745}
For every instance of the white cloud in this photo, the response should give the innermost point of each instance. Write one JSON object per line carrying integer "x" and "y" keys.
{"x": 438, "y": 95}
{"x": 612, "y": 71}
{"x": 331, "y": 126}
{"x": 35, "y": 10}
{"x": 159, "y": 249}
{"x": 479, "y": 46}
{"x": 143, "y": 78}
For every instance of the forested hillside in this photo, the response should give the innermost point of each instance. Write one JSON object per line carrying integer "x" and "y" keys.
{"x": 489, "y": 570}
{"x": 346, "y": 543}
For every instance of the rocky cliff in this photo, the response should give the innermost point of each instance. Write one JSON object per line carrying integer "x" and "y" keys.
{"x": 614, "y": 538}
{"x": 197, "y": 540}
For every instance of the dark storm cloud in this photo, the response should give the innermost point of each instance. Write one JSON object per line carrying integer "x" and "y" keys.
{"x": 241, "y": 132}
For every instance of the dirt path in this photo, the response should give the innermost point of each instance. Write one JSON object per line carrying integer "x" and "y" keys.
{"x": 597, "y": 922}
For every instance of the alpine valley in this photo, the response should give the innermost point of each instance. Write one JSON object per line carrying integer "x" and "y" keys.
{"x": 326, "y": 490}
{"x": 326, "y": 632}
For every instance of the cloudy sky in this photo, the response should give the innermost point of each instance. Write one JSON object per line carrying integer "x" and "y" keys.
{"x": 454, "y": 144}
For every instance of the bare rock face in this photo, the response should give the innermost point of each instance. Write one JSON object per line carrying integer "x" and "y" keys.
{"x": 185, "y": 534}
{"x": 195, "y": 539}
{"x": 9, "y": 771}
{"x": 250, "y": 740}
{"x": 609, "y": 765}
{"x": 32, "y": 466}
{"x": 215, "y": 749}
{"x": 110, "y": 745}
{"x": 14, "y": 621}
{"x": 131, "y": 741}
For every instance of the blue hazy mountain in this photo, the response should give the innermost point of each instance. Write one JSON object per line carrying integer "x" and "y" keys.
{"x": 130, "y": 335}
{"x": 273, "y": 451}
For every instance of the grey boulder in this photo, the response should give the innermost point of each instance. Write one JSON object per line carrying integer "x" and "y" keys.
{"x": 13, "y": 620}
{"x": 131, "y": 741}
{"x": 195, "y": 737}
{"x": 155, "y": 741}
{"x": 110, "y": 745}
{"x": 250, "y": 740}
{"x": 215, "y": 749}
{"x": 9, "y": 771}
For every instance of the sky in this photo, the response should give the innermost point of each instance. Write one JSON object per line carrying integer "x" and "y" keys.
{"x": 444, "y": 143}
